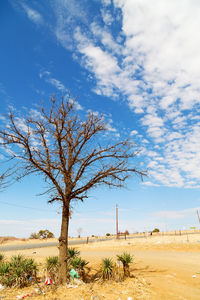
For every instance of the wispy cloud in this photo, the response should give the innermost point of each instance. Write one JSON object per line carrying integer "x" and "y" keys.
{"x": 176, "y": 214}
{"x": 32, "y": 14}
{"x": 152, "y": 62}
{"x": 46, "y": 75}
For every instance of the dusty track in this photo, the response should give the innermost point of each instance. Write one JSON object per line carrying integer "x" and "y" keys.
{"x": 170, "y": 273}
{"x": 167, "y": 265}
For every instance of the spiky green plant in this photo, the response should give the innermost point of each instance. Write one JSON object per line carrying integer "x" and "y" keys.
{"x": 4, "y": 268}
{"x": 79, "y": 264}
{"x": 52, "y": 266}
{"x": 107, "y": 268}
{"x": 51, "y": 262}
{"x": 1, "y": 257}
{"x": 126, "y": 259}
{"x": 72, "y": 252}
{"x": 18, "y": 271}
{"x": 5, "y": 277}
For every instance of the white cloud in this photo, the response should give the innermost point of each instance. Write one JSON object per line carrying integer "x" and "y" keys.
{"x": 32, "y": 14}
{"x": 152, "y": 62}
{"x": 53, "y": 81}
{"x": 107, "y": 17}
{"x": 109, "y": 126}
{"x": 133, "y": 132}
{"x": 176, "y": 214}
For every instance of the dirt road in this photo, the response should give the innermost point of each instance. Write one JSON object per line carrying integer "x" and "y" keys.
{"x": 171, "y": 274}
{"x": 171, "y": 267}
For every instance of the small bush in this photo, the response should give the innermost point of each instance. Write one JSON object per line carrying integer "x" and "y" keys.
{"x": 34, "y": 235}
{"x": 126, "y": 259}
{"x": 18, "y": 271}
{"x": 107, "y": 234}
{"x": 45, "y": 234}
{"x": 42, "y": 234}
{"x": 51, "y": 263}
{"x": 52, "y": 267}
{"x": 156, "y": 230}
{"x": 107, "y": 268}
{"x": 78, "y": 263}
{"x": 72, "y": 252}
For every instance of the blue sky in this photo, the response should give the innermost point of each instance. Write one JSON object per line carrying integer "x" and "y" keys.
{"x": 136, "y": 62}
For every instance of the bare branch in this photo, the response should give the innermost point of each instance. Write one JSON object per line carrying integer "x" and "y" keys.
{"x": 62, "y": 148}
{"x": 70, "y": 154}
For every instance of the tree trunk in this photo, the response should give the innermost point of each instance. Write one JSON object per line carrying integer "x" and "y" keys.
{"x": 63, "y": 246}
{"x": 126, "y": 270}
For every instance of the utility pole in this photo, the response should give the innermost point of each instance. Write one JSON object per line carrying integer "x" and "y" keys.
{"x": 198, "y": 215}
{"x": 117, "y": 221}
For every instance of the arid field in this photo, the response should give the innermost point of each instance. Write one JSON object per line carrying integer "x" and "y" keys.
{"x": 164, "y": 267}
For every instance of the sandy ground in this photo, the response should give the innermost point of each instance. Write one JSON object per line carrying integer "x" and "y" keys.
{"x": 165, "y": 267}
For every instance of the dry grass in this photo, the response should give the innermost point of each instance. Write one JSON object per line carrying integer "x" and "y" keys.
{"x": 137, "y": 287}
{"x": 8, "y": 239}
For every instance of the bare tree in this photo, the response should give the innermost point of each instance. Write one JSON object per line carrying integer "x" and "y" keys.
{"x": 69, "y": 154}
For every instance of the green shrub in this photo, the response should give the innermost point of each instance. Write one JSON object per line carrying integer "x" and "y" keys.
{"x": 34, "y": 235}
{"x": 42, "y": 234}
{"x": 78, "y": 263}
{"x": 52, "y": 267}
{"x": 156, "y": 230}
{"x": 126, "y": 259}
{"x": 45, "y": 234}
{"x": 107, "y": 268}
{"x": 18, "y": 271}
{"x": 72, "y": 252}
{"x": 107, "y": 234}
{"x": 51, "y": 263}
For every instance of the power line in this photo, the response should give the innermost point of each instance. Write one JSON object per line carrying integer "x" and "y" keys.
{"x": 27, "y": 207}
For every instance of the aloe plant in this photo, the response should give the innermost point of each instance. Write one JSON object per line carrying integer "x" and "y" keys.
{"x": 17, "y": 271}
{"x": 51, "y": 263}
{"x": 126, "y": 259}
{"x": 52, "y": 266}
{"x": 72, "y": 252}
{"x": 79, "y": 264}
{"x": 107, "y": 268}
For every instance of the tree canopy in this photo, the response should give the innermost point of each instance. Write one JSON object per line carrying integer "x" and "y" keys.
{"x": 72, "y": 155}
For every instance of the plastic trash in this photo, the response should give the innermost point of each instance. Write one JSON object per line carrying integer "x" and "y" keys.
{"x": 1, "y": 287}
{"x": 33, "y": 293}
{"x": 73, "y": 274}
{"x": 194, "y": 276}
{"x": 23, "y": 296}
{"x": 48, "y": 281}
